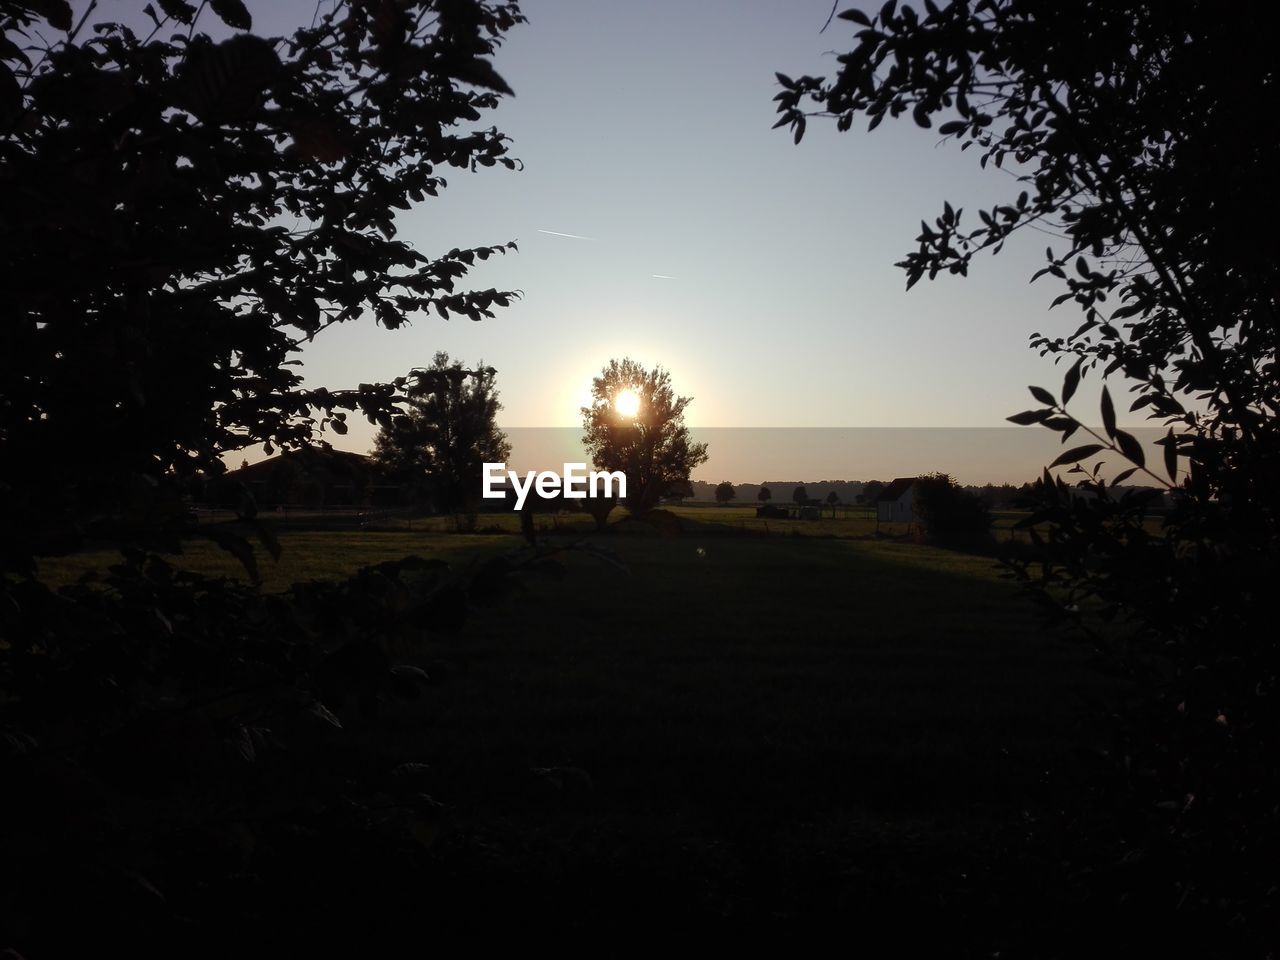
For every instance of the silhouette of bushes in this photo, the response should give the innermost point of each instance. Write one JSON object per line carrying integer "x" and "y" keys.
{"x": 951, "y": 516}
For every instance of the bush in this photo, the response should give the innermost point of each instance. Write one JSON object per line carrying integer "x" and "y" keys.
{"x": 951, "y": 517}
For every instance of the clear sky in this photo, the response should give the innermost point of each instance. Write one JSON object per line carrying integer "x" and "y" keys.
{"x": 646, "y": 126}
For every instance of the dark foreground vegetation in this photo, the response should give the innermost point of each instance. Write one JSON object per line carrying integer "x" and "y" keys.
{"x": 678, "y": 724}
{"x": 702, "y": 728}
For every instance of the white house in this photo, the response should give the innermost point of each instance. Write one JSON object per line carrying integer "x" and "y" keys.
{"x": 896, "y": 502}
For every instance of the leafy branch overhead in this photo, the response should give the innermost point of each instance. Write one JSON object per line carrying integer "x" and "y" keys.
{"x": 1156, "y": 183}
{"x": 183, "y": 213}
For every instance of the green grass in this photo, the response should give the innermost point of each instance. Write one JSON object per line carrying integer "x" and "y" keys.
{"x": 305, "y": 555}
{"x": 783, "y": 711}
{"x": 854, "y": 672}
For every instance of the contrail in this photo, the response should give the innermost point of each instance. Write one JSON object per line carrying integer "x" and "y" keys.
{"x": 662, "y": 276}
{"x": 571, "y": 236}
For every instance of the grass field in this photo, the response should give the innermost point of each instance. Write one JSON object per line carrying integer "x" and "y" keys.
{"x": 785, "y": 723}
{"x": 779, "y": 720}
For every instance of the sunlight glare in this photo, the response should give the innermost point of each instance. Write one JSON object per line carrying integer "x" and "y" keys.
{"x": 627, "y": 403}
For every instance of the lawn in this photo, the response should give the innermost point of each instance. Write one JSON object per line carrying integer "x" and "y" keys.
{"x": 740, "y": 727}
{"x": 305, "y": 555}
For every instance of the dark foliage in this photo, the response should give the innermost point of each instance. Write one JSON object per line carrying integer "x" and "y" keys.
{"x": 180, "y": 747}
{"x": 1145, "y": 136}
{"x": 725, "y": 492}
{"x": 182, "y": 214}
{"x": 186, "y": 758}
{"x": 950, "y": 515}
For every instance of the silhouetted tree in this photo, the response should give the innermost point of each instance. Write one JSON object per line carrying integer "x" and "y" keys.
{"x": 799, "y": 495}
{"x": 1138, "y": 135}
{"x": 653, "y": 448}
{"x": 180, "y": 216}
{"x": 950, "y": 515}
{"x": 192, "y": 212}
{"x": 765, "y": 495}
{"x": 725, "y": 492}
{"x": 449, "y": 430}
{"x": 680, "y": 490}
{"x": 833, "y": 498}
{"x": 872, "y": 490}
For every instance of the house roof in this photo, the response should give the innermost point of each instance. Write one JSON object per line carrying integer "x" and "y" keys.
{"x": 895, "y": 490}
{"x": 334, "y": 464}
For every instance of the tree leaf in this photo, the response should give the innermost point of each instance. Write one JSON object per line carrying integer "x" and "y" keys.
{"x": 1170, "y": 445}
{"x": 1043, "y": 395}
{"x": 1108, "y": 414}
{"x": 238, "y": 547}
{"x": 1076, "y": 454}
{"x": 1028, "y": 417}
{"x": 1131, "y": 448}
{"x": 1071, "y": 381}
{"x": 319, "y": 710}
{"x": 179, "y": 10}
{"x": 57, "y": 12}
{"x": 233, "y": 13}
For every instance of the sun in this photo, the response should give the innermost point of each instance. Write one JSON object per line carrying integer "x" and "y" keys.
{"x": 627, "y": 403}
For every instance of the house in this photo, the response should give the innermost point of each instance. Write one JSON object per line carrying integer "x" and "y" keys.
{"x": 896, "y": 502}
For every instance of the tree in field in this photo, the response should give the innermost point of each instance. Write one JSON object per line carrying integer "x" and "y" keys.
{"x": 680, "y": 490}
{"x": 725, "y": 492}
{"x": 182, "y": 214}
{"x": 651, "y": 445}
{"x": 872, "y": 489}
{"x": 833, "y": 498}
{"x": 950, "y": 515}
{"x": 799, "y": 495}
{"x": 1145, "y": 141}
{"x": 448, "y": 431}
{"x": 765, "y": 495}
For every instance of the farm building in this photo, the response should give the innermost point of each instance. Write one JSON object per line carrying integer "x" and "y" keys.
{"x": 897, "y": 501}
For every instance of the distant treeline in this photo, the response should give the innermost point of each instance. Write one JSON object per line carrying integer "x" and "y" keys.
{"x": 846, "y": 491}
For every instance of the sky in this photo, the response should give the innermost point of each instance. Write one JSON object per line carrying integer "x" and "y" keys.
{"x": 758, "y": 272}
